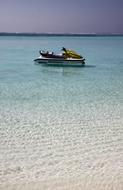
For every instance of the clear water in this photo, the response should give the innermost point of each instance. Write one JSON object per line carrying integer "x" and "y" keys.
{"x": 61, "y": 126}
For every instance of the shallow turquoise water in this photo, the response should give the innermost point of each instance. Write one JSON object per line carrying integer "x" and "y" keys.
{"x": 61, "y": 122}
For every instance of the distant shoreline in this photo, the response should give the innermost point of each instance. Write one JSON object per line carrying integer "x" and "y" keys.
{"x": 57, "y": 34}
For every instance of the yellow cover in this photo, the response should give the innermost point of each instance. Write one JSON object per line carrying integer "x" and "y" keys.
{"x": 72, "y": 54}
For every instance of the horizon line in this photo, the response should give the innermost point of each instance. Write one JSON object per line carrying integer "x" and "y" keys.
{"x": 57, "y": 34}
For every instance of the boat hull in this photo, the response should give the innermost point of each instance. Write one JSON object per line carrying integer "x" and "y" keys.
{"x": 60, "y": 62}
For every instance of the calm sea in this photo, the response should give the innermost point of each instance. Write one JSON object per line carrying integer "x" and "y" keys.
{"x": 61, "y": 127}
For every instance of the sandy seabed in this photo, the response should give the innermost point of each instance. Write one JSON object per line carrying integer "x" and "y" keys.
{"x": 100, "y": 178}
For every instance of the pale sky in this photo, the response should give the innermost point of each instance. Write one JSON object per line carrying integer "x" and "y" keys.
{"x": 61, "y": 16}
